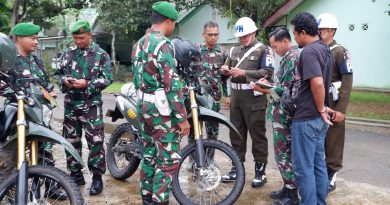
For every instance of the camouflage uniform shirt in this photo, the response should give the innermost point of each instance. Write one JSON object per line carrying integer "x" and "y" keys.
{"x": 283, "y": 79}
{"x": 28, "y": 67}
{"x": 210, "y": 73}
{"x": 92, "y": 64}
{"x": 158, "y": 71}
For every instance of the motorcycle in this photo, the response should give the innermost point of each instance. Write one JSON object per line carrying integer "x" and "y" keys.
{"x": 201, "y": 184}
{"x": 22, "y": 125}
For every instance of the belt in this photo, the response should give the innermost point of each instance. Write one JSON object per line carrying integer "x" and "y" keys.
{"x": 146, "y": 97}
{"x": 241, "y": 86}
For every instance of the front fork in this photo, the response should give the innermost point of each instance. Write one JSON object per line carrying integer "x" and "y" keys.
{"x": 22, "y": 163}
{"x": 199, "y": 151}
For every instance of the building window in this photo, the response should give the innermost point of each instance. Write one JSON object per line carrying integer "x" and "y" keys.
{"x": 351, "y": 27}
{"x": 365, "y": 26}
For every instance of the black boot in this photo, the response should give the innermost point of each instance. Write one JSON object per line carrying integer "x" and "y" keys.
{"x": 230, "y": 177}
{"x": 78, "y": 177}
{"x": 97, "y": 185}
{"x": 147, "y": 200}
{"x": 332, "y": 180}
{"x": 290, "y": 197}
{"x": 278, "y": 194}
{"x": 52, "y": 191}
{"x": 260, "y": 178}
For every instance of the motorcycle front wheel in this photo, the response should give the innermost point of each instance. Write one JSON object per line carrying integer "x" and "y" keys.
{"x": 203, "y": 185}
{"x": 42, "y": 180}
{"x": 122, "y": 165}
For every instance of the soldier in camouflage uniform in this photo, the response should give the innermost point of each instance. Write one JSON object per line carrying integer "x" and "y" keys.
{"x": 28, "y": 65}
{"x": 209, "y": 73}
{"x": 280, "y": 41}
{"x": 84, "y": 72}
{"x": 156, "y": 78}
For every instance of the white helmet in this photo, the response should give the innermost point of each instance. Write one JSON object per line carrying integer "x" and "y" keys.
{"x": 244, "y": 26}
{"x": 327, "y": 20}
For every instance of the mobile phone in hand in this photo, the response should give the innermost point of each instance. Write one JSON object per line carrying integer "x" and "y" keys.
{"x": 71, "y": 81}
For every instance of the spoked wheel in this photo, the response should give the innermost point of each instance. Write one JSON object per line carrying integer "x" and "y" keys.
{"x": 204, "y": 185}
{"x": 122, "y": 164}
{"x": 42, "y": 182}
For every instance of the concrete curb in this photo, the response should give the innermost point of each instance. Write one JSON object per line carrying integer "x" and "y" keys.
{"x": 368, "y": 122}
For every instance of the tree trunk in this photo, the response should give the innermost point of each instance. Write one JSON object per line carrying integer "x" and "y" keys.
{"x": 15, "y": 15}
{"x": 113, "y": 55}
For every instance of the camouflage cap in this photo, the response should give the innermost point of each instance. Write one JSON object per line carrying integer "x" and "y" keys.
{"x": 26, "y": 29}
{"x": 80, "y": 27}
{"x": 166, "y": 9}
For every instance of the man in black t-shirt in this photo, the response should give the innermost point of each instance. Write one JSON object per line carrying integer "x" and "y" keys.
{"x": 311, "y": 119}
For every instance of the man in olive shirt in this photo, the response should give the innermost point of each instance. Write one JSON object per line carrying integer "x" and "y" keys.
{"x": 248, "y": 62}
{"x": 338, "y": 98}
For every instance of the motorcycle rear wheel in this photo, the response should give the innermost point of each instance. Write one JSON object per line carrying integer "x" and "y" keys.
{"x": 120, "y": 165}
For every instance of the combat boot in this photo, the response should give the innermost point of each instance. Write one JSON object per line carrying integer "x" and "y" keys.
{"x": 332, "y": 180}
{"x": 290, "y": 197}
{"x": 230, "y": 177}
{"x": 147, "y": 200}
{"x": 52, "y": 191}
{"x": 97, "y": 184}
{"x": 78, "y": 177}
{"x": 260, "y": 178}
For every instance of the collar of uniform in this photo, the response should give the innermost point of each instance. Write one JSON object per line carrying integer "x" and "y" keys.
{"x": 91, "y": 48}
{"x": 203, "y": 47}
{"x": 251, "y": 45}
{"x": 290, "y": 50}
{"x": 152, "y": 30}
{"x": 333, "y": 43}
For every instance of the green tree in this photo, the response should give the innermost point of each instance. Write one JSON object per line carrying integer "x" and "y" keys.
{"x": 40, "y": 11}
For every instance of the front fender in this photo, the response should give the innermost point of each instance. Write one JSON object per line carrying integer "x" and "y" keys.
{"x": 43, "y": 134}
{"x": 206, "y": 114}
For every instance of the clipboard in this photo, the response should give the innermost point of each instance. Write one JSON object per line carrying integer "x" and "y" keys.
{"x": 264, "y": 85}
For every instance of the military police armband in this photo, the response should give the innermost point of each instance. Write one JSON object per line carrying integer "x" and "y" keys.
{"x": 267, "y": 59}
{"x": 346, "y": 66}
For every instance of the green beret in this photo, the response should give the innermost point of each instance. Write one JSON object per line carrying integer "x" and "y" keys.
{"x": 26, "y": 29}
{"x": 80, "y": 27}
{"x": 166, "y": 9}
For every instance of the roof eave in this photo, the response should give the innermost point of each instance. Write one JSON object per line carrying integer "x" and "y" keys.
{"x": 282, "y": 11}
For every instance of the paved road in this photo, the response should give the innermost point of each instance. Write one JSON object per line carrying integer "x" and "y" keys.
{"x": 365, "y": 177}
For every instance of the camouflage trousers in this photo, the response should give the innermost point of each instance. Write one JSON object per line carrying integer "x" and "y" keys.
{"x": 45, "y": 155}
{"x": 212, "y": 129}
{"x": 160, "y": 162}
{"x": 91, "y": 120}
{"x": 282, "y": 149}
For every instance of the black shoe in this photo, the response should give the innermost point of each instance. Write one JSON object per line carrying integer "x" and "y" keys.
{"x": 279, "y": 194}
{"x": 78, "y": 177}
{"x": 285, "y": 196}
{"x": 97, "y": 185}
{"x": 260, "y": 178}
{"x": 230, "y": 177}
{"x": 53, "y": 192}
{"x": 286, "y": 201}
{"x": 332, "y": 176}
{"x": 147, "y": 200}
{"x": 332, "y": 187}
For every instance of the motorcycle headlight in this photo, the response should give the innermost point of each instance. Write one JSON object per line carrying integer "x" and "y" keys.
{"x": 47, "y": 115}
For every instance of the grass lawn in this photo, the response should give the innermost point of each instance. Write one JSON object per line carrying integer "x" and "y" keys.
{"x": 372, "y": 105}
{"x": 115, "y": 87}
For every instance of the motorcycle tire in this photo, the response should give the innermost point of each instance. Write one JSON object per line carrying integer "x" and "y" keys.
{"x": 181, "y": 187}
{"x": 112, "y": 163}
{"x": 42, "y": 174}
